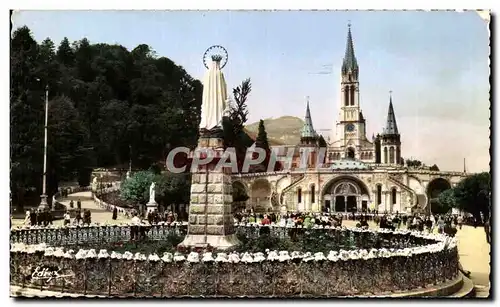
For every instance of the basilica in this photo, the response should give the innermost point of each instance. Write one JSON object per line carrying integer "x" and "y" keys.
{"x": 362, "y": 174}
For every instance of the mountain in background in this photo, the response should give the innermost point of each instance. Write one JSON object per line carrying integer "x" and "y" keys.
{"x": 283, "y": 130}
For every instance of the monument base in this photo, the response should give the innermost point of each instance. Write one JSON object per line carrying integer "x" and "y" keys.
{"x": 219, "y": 242}
{"x": 151, "y": 206}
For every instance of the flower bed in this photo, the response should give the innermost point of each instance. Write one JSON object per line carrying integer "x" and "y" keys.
{"x": 420, "y": 260}
{"x": 281, "y": 274}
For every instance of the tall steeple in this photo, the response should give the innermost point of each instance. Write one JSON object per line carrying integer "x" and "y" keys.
{"x": 307, "y": 132}
{"x": 391, "y": 140}
{"x": 391, "y": 126}
{"x": 349, "y": 63}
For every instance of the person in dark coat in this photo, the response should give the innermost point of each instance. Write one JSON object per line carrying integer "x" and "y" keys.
{"x": 115, "y": 213}
{"x": 78, "y": 217}
{"x": 33, "y": 220}
{"x": 79, "y": 204}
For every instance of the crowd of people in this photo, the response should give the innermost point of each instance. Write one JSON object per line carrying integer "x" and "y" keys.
{"x": 447, "y": 223}
{"x": 44, "y": 218}
{"x": 38, "y": 217}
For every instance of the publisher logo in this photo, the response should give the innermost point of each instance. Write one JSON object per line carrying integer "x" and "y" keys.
{"x": 48, "y": 273}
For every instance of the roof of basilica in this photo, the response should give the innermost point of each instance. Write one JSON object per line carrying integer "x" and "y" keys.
{"x": 349, "y": 164}
{"x": 391, "y": 127}
{"x": 308, "y": 129}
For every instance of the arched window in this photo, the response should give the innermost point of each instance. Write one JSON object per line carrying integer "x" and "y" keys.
{"x": 391, "y": 155}
{"x": 371, "y": 155}
{"x": 299, "y": 195}
{"x": 398, "y": 155}
{"x": 346, "y": 95}
{"x": 379, "y": 194}
{"x": 350, "y": 153}
{"x": 393, "y": 192}
{"x": 313, "y": 193}
{"x": 385, "y": 155}
{"x": 352, "y": 95}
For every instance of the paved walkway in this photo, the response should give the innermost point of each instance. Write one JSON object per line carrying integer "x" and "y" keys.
{"x": 474, "y": 255}
{"x": 97, "y": 214}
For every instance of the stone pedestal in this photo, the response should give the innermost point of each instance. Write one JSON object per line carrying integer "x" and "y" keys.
{"x": 151, "y": 206}
{"x": 210, "y": 213}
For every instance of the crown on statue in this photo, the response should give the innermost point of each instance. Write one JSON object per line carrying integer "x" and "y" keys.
{"x": 216, "y": 57}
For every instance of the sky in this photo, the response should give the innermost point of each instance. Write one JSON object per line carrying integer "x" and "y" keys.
{"x": 435, "y": 63}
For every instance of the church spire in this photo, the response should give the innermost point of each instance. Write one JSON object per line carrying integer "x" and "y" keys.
{"x": 391, "y": 127}
{"x": 308, "y": 129}
{"x": 349, "y": 63}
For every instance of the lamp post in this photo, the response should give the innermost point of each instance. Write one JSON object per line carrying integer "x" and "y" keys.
{"x": 43, "y": 198}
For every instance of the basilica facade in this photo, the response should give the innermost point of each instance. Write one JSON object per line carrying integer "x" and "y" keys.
{"x": 357, "y": 174}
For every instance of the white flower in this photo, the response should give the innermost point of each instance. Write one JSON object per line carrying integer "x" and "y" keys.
{"x": 167, "y": 257}
{"x": 91, "y": 254}
{"x": 17, "y": 247}
{"x": 59, "y": 252}
{"x": 69, "y": 254}
{"x": 234, "y": 258}
{"x": 153, "y": 257}
{"x": 30, "y": 249}
{"x": 259, "y": 257}
{"x": 221, "y": 257}
{"x": 344, "y": 255}
{"x": 247, "y": 258}
{"x": 272, "y": 256}
{"x": 139, "y": 257}
{"x": 353, "y": 255}
{"x": 284, "y": 256}
{"x": 128, "y": 255}
{"x": 49, "y": 251}
{"x": 319, "y": 256}
{"x": 296, "y": 255}
{"x": 193, "y": 257}
{"x": 207, "y": 257}
{"x": 81, "y": 254}
{"x": 40, "y": 247}
{"x": 307, "y": 257}
{"x": 103, "y": 254}
{"x": 333, "y": 256}
{"x": 179, "y": 257}
{"x": 116, "y": 255}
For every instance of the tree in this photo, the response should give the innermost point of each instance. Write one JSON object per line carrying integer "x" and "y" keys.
{"x": 473, "y": 194}
{"x": 65, "y": 54}
{"x": 413, "y": 163}
{"x": 261, "y": 140}
{"x": 122, "y": 105}
{"x": 67, "y": 148}
{"x": 173, "y": 189}
{"x": 234, "y": 134}
{"x": 26, "y": 116}
{"x": 434, "y": 168}
{"x": 445, "y": 201}
{"x": 136, "y": 188}
{"x": 239, "y": 193}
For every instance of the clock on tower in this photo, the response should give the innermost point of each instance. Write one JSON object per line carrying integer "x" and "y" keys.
{"x": 350, "y": 127}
